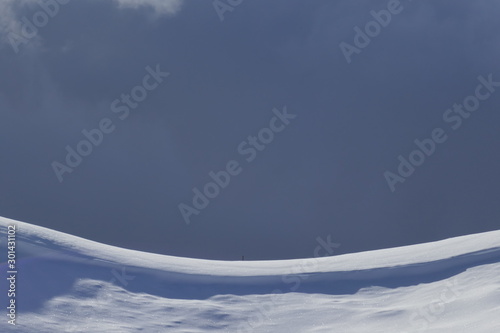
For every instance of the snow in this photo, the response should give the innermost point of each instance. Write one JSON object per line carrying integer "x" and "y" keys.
{"x": 69, "y": 284}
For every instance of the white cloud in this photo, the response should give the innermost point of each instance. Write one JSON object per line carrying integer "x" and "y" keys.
{"x": 160, "y": 6}
{"x": 11, "y": 27}
{"x": 7, "y": 22}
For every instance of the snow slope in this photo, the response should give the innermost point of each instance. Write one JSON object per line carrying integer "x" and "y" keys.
{"x": 69, "y": 284}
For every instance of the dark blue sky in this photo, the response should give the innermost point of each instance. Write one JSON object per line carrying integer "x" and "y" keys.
{"x": 320, "y": 174}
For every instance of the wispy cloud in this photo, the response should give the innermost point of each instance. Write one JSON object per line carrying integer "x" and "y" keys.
{"x": 160, "y": 6}
{"x": 14, "y": 26}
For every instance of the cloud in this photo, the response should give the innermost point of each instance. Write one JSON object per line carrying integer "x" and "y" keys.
{"x": 160, "y": 6}
{"x": 19, "y": 18}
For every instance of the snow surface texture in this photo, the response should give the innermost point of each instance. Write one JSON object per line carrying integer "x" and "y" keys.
{"x": 69, "y": 284}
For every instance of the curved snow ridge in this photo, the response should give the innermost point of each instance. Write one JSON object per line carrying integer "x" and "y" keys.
{"x": 448, "y": 255}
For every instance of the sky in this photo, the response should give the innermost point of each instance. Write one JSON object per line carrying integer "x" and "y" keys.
{"x": 221, "y": 129}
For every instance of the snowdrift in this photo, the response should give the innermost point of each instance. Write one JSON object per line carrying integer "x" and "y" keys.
{"x": 69, "y": 284}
